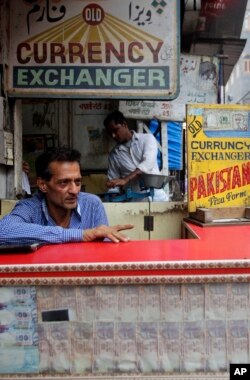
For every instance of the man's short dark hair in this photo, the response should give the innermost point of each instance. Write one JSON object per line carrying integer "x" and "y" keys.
{"x": 116, "y": 116}
{"x": 58, "y": 154}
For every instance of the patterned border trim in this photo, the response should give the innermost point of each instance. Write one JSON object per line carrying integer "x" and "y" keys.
{"x": 120, "y": 280}
{"x": 174, "y": 376}
{"x": 134, "y": 266}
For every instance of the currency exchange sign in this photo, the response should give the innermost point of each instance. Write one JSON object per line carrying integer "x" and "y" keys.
{"x": 218, "y": 152}
{"x": 103, "y": 48}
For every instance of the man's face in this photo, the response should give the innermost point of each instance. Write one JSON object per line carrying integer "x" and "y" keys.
{"x": 64, "y": 186}
{"x": 119, "y": 132}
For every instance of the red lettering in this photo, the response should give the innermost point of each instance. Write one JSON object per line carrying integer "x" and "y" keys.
{"x": 217, "y": 182}
{"x": 210, "y": 186}
{"x": 131, "y": 48}
{"x": 225, "y": 182}
{"x": 155, "y": 52}
{"x": 192, "y": 187}
{"x": 23, "y": 48}
{"x": 92, "y": 52}
{"x": 57, "y": 50}
{"x": 236, "y": 181}
{"x": 38, "y": 57}
{"x": 76, "y": 51}
{"x": 95, "y": 52}
{"x": 245, "y": 174}
{"x": 201, "y": 187}
{"x": 120, "y": 56}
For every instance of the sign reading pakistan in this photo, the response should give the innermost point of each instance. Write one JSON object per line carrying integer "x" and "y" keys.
{"x": 218, "y": 149}
{"x": 101, "y": 48}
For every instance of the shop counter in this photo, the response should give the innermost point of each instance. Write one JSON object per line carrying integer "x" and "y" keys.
{"x": 169, "y": 309}
{"x": 206, "y": 254}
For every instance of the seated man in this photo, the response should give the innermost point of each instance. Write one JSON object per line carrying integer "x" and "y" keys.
{"x": 59, "y": 212}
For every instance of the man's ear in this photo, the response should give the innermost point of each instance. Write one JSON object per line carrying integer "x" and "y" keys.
{"x": 41, "y": 184}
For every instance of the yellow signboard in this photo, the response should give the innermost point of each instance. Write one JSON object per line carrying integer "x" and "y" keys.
{"x": 218, "y": 150}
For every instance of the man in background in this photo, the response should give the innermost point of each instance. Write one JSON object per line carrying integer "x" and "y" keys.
{"x": 25, "y": 180}
{"x": 134, "y": 154}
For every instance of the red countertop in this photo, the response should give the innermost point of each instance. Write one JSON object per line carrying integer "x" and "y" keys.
{"x": 217, "y": 251}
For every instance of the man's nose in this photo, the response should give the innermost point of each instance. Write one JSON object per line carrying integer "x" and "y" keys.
{"x": 74, "y": 188}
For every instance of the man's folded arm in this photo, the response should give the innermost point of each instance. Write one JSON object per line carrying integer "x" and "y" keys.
{"x": 16, "y": 231}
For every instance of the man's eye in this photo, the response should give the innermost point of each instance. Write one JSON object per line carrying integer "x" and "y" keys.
{"x": 63, "y": 183}
{"x": 78, "y": 182}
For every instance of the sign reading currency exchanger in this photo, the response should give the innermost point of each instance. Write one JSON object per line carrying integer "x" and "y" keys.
{"x": 218, "y": 148}
{"x": 103, "y": 48}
